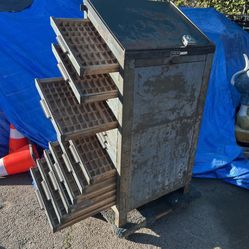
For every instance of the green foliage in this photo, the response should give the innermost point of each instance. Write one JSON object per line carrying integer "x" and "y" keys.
{"x": 229, "y": 7}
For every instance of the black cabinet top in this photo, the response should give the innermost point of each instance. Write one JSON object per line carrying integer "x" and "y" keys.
{"x": 148, "y": 24}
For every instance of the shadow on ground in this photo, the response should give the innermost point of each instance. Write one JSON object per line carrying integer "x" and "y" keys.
{"x": 20, "y": 179}
{"x": 218, "y": 219}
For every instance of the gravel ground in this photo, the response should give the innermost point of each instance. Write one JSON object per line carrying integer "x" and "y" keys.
{"x": 217, "y": 219}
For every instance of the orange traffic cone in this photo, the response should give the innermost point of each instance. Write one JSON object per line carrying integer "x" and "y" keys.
{"x": 17, "y": 140}
{"x": 17, "y": 162}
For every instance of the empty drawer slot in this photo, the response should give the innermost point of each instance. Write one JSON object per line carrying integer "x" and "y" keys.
{"x": 84, "y": 46}
{"x": 88, "y": 88}
{"x": 68, "y": 116}
{"x": 93, "y": 159}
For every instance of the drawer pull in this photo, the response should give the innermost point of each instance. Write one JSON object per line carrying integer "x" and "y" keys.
{"x": 39, "y": 198}
{"x": 62, "y": 44}
{"x": 45, "y": 108}
{"x": 45, "y": 188}
{"x": 66, "y": 161}
{"x": 76, "y": 158}
{"x": 53, "y": 180}
{"x": 58, "y": 170}
{"x": 63, "y": 71}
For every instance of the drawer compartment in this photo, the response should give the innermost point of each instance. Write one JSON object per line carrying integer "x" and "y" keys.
{"x": 93, "y": 159}
{"x": 70, "y": 118}
{"x": 85, "y": 48}
{"x": 69, "y": 179}
{"x": 87, "y": 88}
{"x": 88, "y": 206}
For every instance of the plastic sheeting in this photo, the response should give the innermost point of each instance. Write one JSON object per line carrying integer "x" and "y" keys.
{"x": 25, "y": 53}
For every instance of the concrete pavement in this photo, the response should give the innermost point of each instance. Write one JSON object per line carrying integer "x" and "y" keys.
{"x": 218, "y": 218}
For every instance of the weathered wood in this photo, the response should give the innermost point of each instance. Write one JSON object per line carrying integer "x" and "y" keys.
{"x": 69, "y": 118}
{"x": 87, "y": 88}
{"x": 89, "y": 204}
{"x": 93, "y": 159}
{"x": 87, "y": 51}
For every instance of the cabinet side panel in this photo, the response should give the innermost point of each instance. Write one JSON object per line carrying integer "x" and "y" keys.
{"x": 164, "y": 116}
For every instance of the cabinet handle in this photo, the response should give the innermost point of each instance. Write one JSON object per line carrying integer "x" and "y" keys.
{"x": 188, "y": 40}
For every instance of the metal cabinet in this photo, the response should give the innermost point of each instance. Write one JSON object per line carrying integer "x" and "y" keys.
{"x": 127, "y": 110}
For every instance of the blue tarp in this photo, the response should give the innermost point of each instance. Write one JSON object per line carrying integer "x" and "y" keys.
{"x": 4, "y": 135}
{"x": 25, "y": 54}
{"x": 218, "y": 155}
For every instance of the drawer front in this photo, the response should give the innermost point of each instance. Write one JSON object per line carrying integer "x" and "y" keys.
{"x": 69, "y": 118}
{"x": 94, "y": 198}
{"x": 93, "y": 159}
{"x": 56, "y": 179}
{"x": 53, "y": 189}
{"x": 85, "y": 48}
{"x": 44, "y": 203}
{"x": 86, "y": 88}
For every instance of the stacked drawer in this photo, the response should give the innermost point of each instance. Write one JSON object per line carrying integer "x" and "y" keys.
{"x": 76, "y": 178}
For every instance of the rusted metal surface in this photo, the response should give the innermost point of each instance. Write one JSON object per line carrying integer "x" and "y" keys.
{"x": 70, "y": 118}
{"x": 87, "y": 88}
{"x": 164, "y": 116}
{"x": 85, "y": 47}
